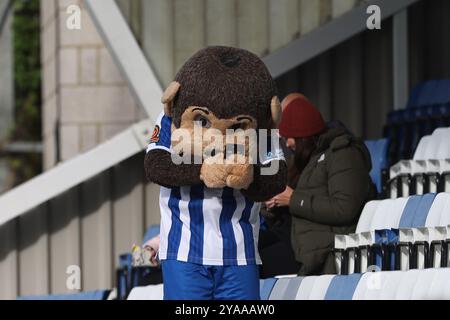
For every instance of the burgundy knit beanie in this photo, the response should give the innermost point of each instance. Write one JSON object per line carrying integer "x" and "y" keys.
{"x": 300, "y": 119}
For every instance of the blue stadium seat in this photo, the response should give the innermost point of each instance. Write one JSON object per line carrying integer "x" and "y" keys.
{"x": 414, "y": 96}
{"x": 422, "y": 210}
{"x": 379, "y": 153}
{"x": 342, "y": 287}
{"x": 427, "y": 94}
{"x": 439, "y": 93}
{"x": 91, "y": 295}
{"x": 416, "y": 211}
{"x": 151, "y": 232}
{"x": 428, "y": 108}
{"x": 266, "y": 287}
{"x": 387, "y": 227}
{"x": 279, "y": 289}
{"x": 409, "y": 212}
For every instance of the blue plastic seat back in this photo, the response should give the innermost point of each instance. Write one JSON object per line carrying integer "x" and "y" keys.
{"x": 151, "y": 232}
{"x": 343, "y": 287}
{"x": 413, "y": 97}
{"x": 379, "y": 154}
{"x": 422, "y": 210}
{"x": 266, "y": 287}
{"x": 407, "y": 218}
{"x": 279, "y": 289}
{"x": 427, "y": 95}
{"x": 442, "y": 92}
{"x": 416, "y": 211}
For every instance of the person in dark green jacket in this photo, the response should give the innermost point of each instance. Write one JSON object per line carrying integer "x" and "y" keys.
{"x": 333, "y": 184}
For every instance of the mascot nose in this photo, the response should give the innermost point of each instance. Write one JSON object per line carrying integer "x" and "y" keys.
{"x": 235, "y": 149}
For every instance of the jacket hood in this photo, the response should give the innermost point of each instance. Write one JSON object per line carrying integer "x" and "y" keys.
{"x": 337, "y": 137}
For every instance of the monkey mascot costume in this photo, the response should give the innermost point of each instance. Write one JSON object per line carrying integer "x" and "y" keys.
{"x": 210, "y": 204}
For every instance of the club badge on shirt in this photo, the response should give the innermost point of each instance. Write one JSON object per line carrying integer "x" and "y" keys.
{"x": 155, "y": 134}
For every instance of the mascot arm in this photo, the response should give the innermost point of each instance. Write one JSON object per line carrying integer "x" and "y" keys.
{"x": 160, "y": 169}
{"x": 265, "y": 187}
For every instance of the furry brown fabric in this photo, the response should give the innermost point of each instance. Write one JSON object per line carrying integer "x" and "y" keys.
{"x": 227, "y": 83}
{"x": 160, "y": 169}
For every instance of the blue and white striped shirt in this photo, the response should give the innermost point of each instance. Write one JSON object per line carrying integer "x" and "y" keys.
{"x": 203, "y": 225}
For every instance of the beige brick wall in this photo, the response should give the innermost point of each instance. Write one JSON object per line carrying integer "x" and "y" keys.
{"x": 85, "y": 99}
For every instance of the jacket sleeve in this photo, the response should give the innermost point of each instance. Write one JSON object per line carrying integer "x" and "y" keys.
{"x": 348, "y": 187}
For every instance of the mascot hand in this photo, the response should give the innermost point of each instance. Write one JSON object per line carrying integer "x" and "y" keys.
{"x": 240, "y": 172}
{"x": 214, "y": 172}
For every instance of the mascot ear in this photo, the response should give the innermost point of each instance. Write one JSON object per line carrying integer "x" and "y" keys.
{"x": 168, "y": 96}
{"x": 275, "y": 107}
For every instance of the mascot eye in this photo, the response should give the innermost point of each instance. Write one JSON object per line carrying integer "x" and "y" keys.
{"x": 202, "y": 121}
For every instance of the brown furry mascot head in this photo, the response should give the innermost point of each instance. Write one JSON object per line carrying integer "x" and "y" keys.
{"x": 228, "y": 82}
{"x": 220, "y": 88}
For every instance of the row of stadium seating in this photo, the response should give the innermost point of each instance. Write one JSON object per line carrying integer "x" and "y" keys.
{"x": 393, "y": 249}
{"x": 429, "y": 171}
{"x": 386, "y": 285}
{"x": 397, "y": 234}
{"x": 428, "y": 108}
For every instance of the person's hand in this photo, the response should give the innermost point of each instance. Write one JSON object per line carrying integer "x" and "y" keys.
{"x": 270, "y": 204}
{"x": 149, "y": 256}
{"x": 283, "y": 199}
{"x": 149, "y": 252}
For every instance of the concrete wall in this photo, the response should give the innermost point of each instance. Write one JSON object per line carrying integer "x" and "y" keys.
{"x": 86, "y": 100}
